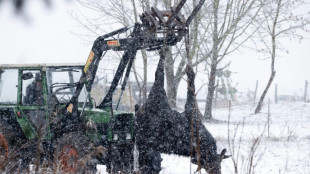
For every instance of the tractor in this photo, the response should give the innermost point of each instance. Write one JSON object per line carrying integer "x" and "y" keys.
{"x": 33, "y": 128}
{"x": 48, "y": 117}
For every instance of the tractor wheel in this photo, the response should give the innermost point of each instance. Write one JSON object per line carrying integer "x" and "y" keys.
{"x": 14, "y": 152}
{"x": 120, "y": 159}
{"x": 68, "y": 158}
{"x": 4, "y": 150}
{"x": 72, "y": 154}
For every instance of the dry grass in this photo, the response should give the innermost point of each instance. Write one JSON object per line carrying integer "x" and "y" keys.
{"x": 245, "y": 158}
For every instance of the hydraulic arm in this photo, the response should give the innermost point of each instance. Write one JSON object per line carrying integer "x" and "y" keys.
{"x": 158, "y": 29}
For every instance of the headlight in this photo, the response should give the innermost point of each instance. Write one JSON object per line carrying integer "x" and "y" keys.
{"x": 128, "y": 136}
{"x": 115, "y": 137}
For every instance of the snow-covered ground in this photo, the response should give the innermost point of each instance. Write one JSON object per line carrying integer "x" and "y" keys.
{"x": 286, "y": 150}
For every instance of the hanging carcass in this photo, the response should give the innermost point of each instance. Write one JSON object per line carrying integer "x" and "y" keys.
{"x": 159, "y": 129}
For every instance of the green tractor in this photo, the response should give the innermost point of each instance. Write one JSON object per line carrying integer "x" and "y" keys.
{"x": 47, "y": 114}
{"x": 34, "y": 129}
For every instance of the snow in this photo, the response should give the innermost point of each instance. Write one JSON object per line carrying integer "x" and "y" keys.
{"x": 287, "y": 150}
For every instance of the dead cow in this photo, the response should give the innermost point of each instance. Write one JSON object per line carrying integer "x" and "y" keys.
{"x": 159, "y": 129}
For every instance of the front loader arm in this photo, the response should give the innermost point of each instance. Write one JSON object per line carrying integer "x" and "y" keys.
{"x": 100, "y": 46}
{"x": 128, "y": 56}
{"x": 153, "y": 33}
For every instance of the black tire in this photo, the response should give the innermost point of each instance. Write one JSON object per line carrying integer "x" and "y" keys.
{"x": 73, "y": 154}
{"x": 120, "y": 159}
{"x": 4, "y": 150}
{"x": 15, "y": 149}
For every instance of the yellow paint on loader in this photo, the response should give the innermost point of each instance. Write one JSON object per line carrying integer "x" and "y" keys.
{"x": 70, "y": 108}
{"x": 89, "y": 60}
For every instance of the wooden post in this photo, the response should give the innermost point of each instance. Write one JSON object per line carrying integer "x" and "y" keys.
{"x": 276, "y": 93}
{"x": 305, "y": 94}
{"x": 255, "y": 91}
{"x": 268, "y": 121}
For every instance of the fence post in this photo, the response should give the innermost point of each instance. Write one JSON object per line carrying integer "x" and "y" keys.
{"x": 255, "y": 91}
{"x": 276, "y": 94}
{"x": 305, "y": 94}
{"x": 268, "y": 121}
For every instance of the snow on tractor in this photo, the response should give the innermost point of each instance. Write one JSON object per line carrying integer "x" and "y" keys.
{"x": 47, "y": 116}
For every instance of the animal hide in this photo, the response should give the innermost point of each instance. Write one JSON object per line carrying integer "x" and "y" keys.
{"x": 159, "y": 129}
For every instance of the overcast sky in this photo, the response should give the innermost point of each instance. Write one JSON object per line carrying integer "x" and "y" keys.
{"x": 46, "y": 36}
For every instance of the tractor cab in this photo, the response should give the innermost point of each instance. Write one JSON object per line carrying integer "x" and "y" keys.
{"x": 33, "y": 93}
{"x": 29, "y": 92}
{"x": 61, "y": 82}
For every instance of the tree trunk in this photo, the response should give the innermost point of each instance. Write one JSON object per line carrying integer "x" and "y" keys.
{"x": 216, "y": 92}
{"x": 273, "y": 57}
{"x": 211, "y": 85}
{"x": 144, "y": 87}
{"x": 261, "y": 100}
{"x": 273, "y": 73}
{"x": 172, "y": 84}
{"x": 211, "y": 89}
{"x": 172, "y": 87}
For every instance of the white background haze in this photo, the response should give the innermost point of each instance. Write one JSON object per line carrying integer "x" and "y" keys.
{"x": 46, "y": 35}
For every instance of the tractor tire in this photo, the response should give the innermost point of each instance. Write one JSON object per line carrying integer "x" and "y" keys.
{"x": 73, "y": 154}
{"x": 120, "y": 159}
{"x": 15, "y": 155}
{"x": 4, "y": 151}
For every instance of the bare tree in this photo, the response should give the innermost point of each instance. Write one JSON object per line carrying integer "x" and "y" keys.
{"x": 228, "y": 32}
{"x": 279, "y": 21}
{"x": 176, "y": 59}
{"x": 231, "y": 26}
